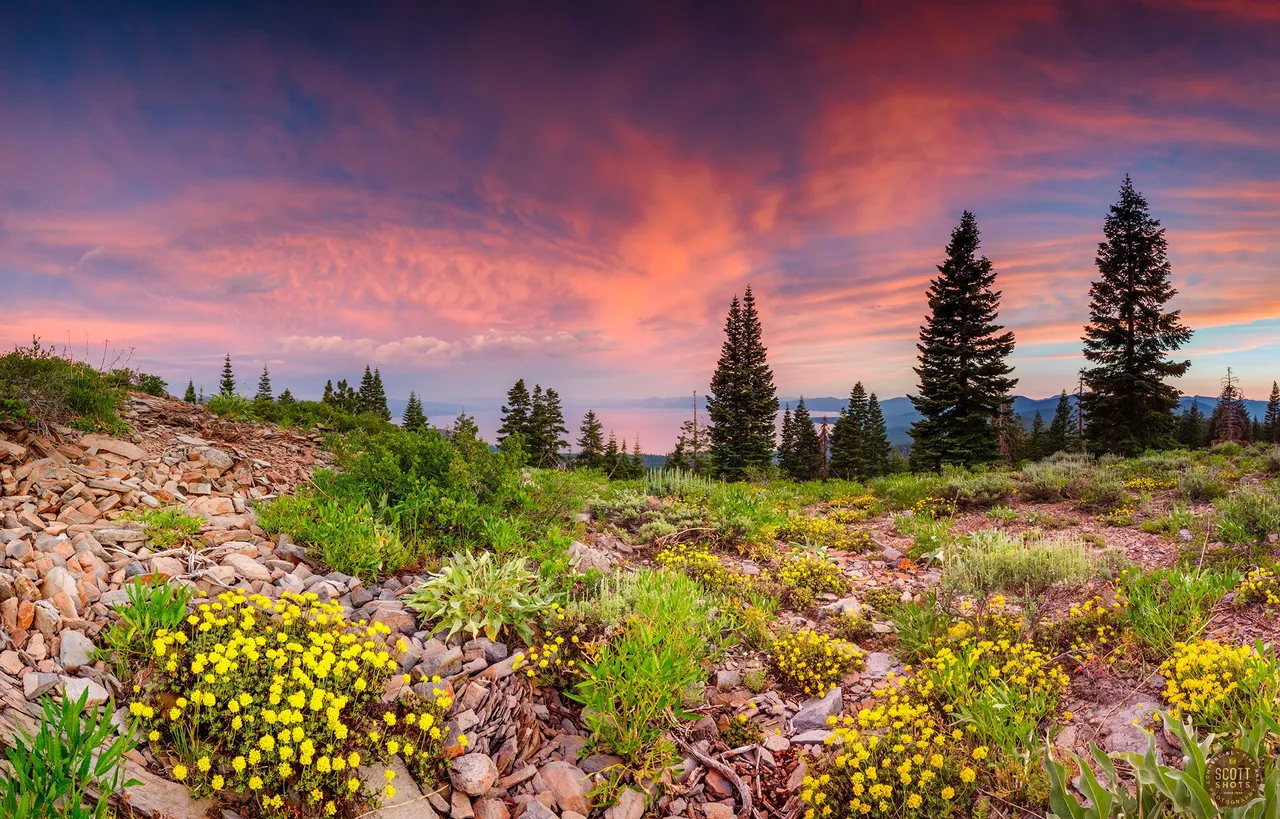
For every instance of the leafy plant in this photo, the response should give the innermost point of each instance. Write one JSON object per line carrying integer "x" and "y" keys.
{"x": 634, "y": 691}
{"x": 475, "y": 593}
{"x": 1221, "y": 687}
{"x": 920, "y": 626}
{"x": 1200, "y": 485}
{"x": 813, "y": 662}
{"x": 51, "y": 773}
{"x": 153, "y": 605}
{"x": 1158, "y": 789}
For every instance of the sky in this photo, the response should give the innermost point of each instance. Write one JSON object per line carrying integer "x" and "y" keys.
{"x": 463, "y": 194}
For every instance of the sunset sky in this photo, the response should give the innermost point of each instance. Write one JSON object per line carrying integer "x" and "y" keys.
{"x": 572, "y": 194}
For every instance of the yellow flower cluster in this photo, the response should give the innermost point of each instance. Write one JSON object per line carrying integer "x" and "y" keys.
{"x": 823, "y": 532}
{"x": 963, "y": 672}
{"x": 892, "y": 760}
{"x": 1149, "y": 485}
{"x": 932, "y": 507}
{"x": 812, "y": 572}
{"x": 1094, "y": 629}
{"x": 1220, "y": 687}
{"x": 814, "y": 662}
{"x": 859, "y": 503}
{"x": 697, "y": 562}
{"x": 281, "y": 700}
{"x": 1259, "y": 586}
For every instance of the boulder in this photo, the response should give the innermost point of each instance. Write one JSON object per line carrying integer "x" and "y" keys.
{"x": 76, "y": 650}
{"x": 473, "y": 774}
{"x": 568, "y": 784}
{"x": 630, "y": 805}
{"x": 247, "y": 568}
{"x": 815, "y": 712}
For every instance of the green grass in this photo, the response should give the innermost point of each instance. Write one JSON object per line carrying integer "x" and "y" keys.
{"x": 166, "y": 527}
{"x": 1249, "y": 518}
{"x": 904, "y": 491}
{"x": 1167, "y": 606}
{"x": 152, "y": 605}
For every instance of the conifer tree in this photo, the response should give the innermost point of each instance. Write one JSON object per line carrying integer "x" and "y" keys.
{"x": 190, "y": 396}
{"x": 286, "y": 398}
{"x": 1128, "y": 406}
{"x": 786, "y": 443}
{"x": 590, "y": 441}
{"x": 328, "y": 398}
{"x": 1011, "y": 435}
{"x": 365, "y": 394}
{"x": 227, "y": 385}
{"x": 805, "y": 458}
{"x": 875, "y": 440}
{"x": 742, "y": 403}
{"x": 637, "y": 459}
{"x": 414, "y": 419}
{"x": 545, "y": 428}
{"x": 1038, "y": 440}
{"x": 964, "y": 377}
{"x": 611, "y": 459}
{"x": 465, "y": 436}
{"x": 691, "y": 445}
{"x": 1062, "y": 428}
{"x": 379, "y": 402}
{"x": 264, "y": 392}
{"x": 516, "y": 412}
{"x": 345, "y": 398}
{"x": 847, "y": 436}
{"x": 1271, "y": 420}
{"x": 677, "y": 458}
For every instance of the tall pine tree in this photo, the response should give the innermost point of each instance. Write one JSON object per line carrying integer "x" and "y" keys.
{"x": 1127, "y": 404}
{"x": 227, "y": 385}
{"x": 805, "y": 457}
{"x": 743, "y": 403}
{"x": 190, "y": 396}
{"x": 847, "y": 437}
{"x": 875, "y": 440}
{"x": 379, "y": 402}
{"x": 590, "y": 441}
{"x": 546, "y": 428}
{"x": 1230, "y": 418}
{"x": 516, "y": 412}
{"x": 328, "y": 397}
{"x": 964, "y": 377}
{"x": 365, "y": 400}
{"x": 786, "y": 443}
{"x": 1062, "y": 429}
{"x": 414, "y": 419}
{"x": 1038, "y": 440}
{"x": 1271, "y": 420}
{"x": 264, "y": 392}
{"x": 1192, "y": 426}
{"x": 286, "y": 398}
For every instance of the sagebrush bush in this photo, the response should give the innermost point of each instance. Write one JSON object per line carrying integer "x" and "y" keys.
{"x": 991, "y": 561}
{"x": 978, "y": 490}
{"x": 478, "y": 593}
{"x": 1200, "y": 485}
{"x": 1062, "y": 476}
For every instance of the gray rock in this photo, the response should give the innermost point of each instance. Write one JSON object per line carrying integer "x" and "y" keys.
{"x": 473, "y": 774}
{"x": 814, "y": 737}
{"x": 493, "y": 652}
{"x": 583, "y": 558}
{"x": 878, "y": 664}
{"x": 1123, "y": 729}
{"x": 76, "y": 650}
{"x": 37, "y": 684}
{"x": 218, "y": 459}
{"x": 74, "y": 687}
{"x": 815, "y": 712}
{"x": 246, "y": 567}
{"x": 630, "y": 805}
{"x": 443, "y": 663}
{"x": 536, "y": 810}
{"x": 727, "y": 678}
{"x": 568, "y": 784}
{"x": 891, "y": 555}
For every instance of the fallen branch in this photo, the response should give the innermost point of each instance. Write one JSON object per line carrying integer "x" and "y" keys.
{"x": 744, "y": 793}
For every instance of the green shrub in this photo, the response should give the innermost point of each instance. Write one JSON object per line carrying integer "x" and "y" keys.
{"x": 990, "y": 561}
{"x": 1200, "y": 485}
{"x": 476, "y": 593}
{"x": 47, "y": 387}
{"x": 921, "y": 627}
{"x": 51, "y": 774}
{"x": 1062, "y": 476}
{"x": 1271, "y": 460}
{"x": 906, "y": 490}
{"x": 1003, "y": 514}
{"x": 812, "y": 662}
{"x": 166, "y": 527}
{"x": 233, "y": 408}
{"x": 976, "y": 489}
{"x": 1249, "y": 517}
{"x": 637, "y": 685}
{"x": 1104, "y": 492}
{"x": 1166, "y": 607}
